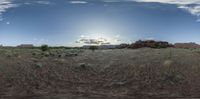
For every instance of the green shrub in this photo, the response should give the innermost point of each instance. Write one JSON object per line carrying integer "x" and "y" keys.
{"x": 44, "y": 47}
{"x": 159, "y": 46}
{"x": 172, "y": 78}
{"x": 93, "y": 48}
{"x": 38, "y": 65}
{"x": 34, "y": 53}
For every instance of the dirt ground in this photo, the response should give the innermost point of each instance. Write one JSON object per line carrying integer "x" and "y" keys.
{"x": 108, "y": 74}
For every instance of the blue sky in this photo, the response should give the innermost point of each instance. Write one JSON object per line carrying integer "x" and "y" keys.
{"x": 78, "y": 22}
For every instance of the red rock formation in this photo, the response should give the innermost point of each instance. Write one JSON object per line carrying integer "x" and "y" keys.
{"x": 150, "y": 43}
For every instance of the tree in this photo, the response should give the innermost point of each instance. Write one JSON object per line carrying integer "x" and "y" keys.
{"x": 93, "y": 48}
{"x": 44, "y": 47}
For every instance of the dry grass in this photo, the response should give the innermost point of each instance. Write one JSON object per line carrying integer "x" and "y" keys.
{"x": 101, "y": 73}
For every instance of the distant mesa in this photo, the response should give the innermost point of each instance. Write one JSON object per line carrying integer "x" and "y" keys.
{"x": 186, "y": 45}
{"x": 26, "y": 46}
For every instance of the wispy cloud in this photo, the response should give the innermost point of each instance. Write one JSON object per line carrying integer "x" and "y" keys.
{"x": 194, "y": 10}
{"x": 182, "y": 2}
{"x": 92, "y": 41}
{"x": 89, "y": 40}
{"x": 192, "y": 6}
{"x": 5, "y": 5}
{"x": 44, "y": 2}
{"x": 78, "y": 2}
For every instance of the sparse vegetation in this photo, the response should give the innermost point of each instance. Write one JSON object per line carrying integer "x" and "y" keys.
{"x": 115, "y": 73}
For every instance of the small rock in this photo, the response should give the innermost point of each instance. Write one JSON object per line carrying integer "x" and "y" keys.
{"x": 61, "y": 55}
{"x": 51, "y": 54}
{"x": 19, "y": 56}
{"x": 167, "y": 63}
{"x": 46, "y": 54}
{"x": 38, "y": 65}
{"x": 82, "y": 65}
{"x": 34, "y": 53}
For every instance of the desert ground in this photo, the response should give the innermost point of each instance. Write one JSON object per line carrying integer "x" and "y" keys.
{"x": 99, "y": 74}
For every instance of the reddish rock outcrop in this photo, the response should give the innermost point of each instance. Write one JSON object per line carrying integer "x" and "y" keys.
{"x": 150, "y": 44}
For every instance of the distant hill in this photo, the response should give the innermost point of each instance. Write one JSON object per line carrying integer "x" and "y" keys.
{"x": 186, "y": 45}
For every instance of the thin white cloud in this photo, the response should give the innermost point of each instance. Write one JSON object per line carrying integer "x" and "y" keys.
{"x": 89, "y": 40}
{"x": 44, "y": 2}
{"x": 92, "y": 41}
{"x": 192, "y": 6}
{"x": 194, "y": 10}
{"x": 27, "y": 3}
{"x": 182, "y": 2}
{"x": 5, "y": 5}
{"x": 78, "y": 2}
